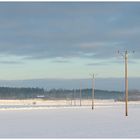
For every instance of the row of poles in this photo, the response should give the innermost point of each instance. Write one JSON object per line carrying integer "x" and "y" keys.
{"x": 92, "y": 96}
{"x": 126, "y": 84}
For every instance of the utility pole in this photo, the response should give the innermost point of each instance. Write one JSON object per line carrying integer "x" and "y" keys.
{"x": 71, "y": 99}
{"x": 92, "y": 96}
{"x": 126, "y": 80}
{"x": 126, "y": 84}
{"x": 74, "y": 97}
{"x": 80, "y": 93}
{"x": 93, "y": 92}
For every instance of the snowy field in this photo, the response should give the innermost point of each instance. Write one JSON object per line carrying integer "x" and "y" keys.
{"x": 105, "y": 121}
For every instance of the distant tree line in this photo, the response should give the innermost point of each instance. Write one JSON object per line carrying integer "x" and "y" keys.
{"x": 19, "y": 93}
{"x": 31, "y": 93}
{"x": 85, "y": 93}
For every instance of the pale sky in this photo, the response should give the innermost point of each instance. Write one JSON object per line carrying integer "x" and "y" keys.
{"x": 68, "y": 40}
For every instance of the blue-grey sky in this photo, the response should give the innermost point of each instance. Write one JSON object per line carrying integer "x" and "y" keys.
{"x": 67, "y": 40}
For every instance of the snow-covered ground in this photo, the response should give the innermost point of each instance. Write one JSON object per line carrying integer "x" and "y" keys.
{"x": 105, "y": 121}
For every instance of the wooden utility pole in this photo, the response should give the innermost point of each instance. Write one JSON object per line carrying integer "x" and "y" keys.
{"x": 71, "y": 100}
{"x": 74, "y": 97}
{"x": 80, "y": 93}
{"x": 126, "y": 84}
{"x": 126, "y": 80}
{"x": 93, "y": 92}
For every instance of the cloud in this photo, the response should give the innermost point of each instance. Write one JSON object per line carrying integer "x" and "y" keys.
{"x": 121, "y": 61}
{"x": 11, "y": 62}
{"x": 98, "y": 64}
{"x": 51, "y": 30}
{"x": 128, "y": 32}
{"x": 117, "y": 60}
{"x": 95, "y": 44}
{"x": 60, "y": 60}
